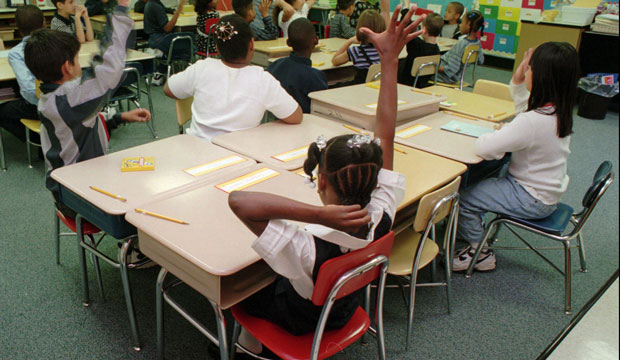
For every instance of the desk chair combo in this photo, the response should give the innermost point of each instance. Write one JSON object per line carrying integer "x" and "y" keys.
{"x": 208, "y": 30}
{"x": 374, "y": 73}
{"x": 492, "y": 89}
{"x": 554, "y": 227}
{"x": 337, "y": 278}
{"x": 173, "y": 61}
{"x": 415, "y": 247}
{"x": 425, "y": 65}
{"x": 33, "y": 125}
{"x": 470, "y": 56}
{"x": 184, "y": 111}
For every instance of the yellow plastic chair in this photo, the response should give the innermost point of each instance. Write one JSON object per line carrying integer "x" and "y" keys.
{"x": 425, "y": 65}
{"x": 374, "y": 73}
{"x": 32, "y": 125}
{"x": 415, "y": 248}
{"x": 470, "y": 56}
{"x": 184, "y": 111}
{"x": 493, "y": 89}
{"x": 1, "y": 44}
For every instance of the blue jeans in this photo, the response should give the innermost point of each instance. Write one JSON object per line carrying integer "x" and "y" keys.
{"x": 499, "y": 195}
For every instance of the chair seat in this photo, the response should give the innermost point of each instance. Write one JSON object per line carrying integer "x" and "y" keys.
{"x": 553, "y": 224}
{"x": 124, "y": 93}
{"x": 32, "y": 125}
{"x": 87, "y": 227}
{"x": 288, "y": 346}
{"x": 405, "y": 244}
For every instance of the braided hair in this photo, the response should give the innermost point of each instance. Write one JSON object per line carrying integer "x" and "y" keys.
{"x": 476, "y": 22}
{"x": 351, "y": 171}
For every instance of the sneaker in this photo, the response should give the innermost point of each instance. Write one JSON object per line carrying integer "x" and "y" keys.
{"x": 486, "y": 260}
{"x": 158, "y": 79}
{"x": 135, "y": 257}
{"x": 155, "y": 52}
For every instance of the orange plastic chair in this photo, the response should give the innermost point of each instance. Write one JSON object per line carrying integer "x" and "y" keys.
{"x": 338, "y": 277}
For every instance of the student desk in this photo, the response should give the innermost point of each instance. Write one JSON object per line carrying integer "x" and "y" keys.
{"x": 98, "y": 21}
{"x": 185, "y": 21}
{"x": 265, "y": 50}
{"x": 425, "y": 172}
{"x": 476, "y": 105}
{"x": 213, "y": 252}
{"x": 444, "y": 143}
{"x": 172, "y": 156}
{"x": 357, "y": 104}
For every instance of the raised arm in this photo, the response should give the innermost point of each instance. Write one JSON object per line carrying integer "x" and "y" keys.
{"x": 342, "y": 56}
{"x": 175, "y": 16}
{"x": 256, "y": 209}
{"x": 79, "y": 28}
{"x": 90, "y": 36}
{"x": 389, "y": 44}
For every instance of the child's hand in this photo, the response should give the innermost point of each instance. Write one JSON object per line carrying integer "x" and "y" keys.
{"x": 136, "y": 115}
{"x": 263, "y": 7}
{"x": 124, "y": 3}
{"x": 288, "y": 11}
{"x": 390, "y": 42}
{"x": 347, "y": 218}
{"x": 519, "y": 76}
{"x": 353, "y": 40}
{"x": 79, "y": 10}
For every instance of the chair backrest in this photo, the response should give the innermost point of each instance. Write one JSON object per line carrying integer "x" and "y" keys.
{"x": 603, "y": 177}
{"x": 327, "y": 30}
{"x": 132, "y": 72}
{"x": 427, "y": 205}
{"x": 184, "y": 111}
{"x": 184, "y": 48}
{"x": 209, "y": 28}
{"x": 470, "y": 54}
{"x": 333, "y": 270}
{"x": 1, "y": 44}
{"x": 425, "y": 65}
{"x": 421, "y": 11}
{"x": 374, "y": 73}
{"x": 493, "y": 89}
{"x": 37, "y": 85}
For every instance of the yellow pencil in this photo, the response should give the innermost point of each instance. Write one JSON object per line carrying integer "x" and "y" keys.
{"x": 109, "y": 194}
{"x": 496, "y": 115}
{"x": 460, "y": 115}
{"x": 352, "y": 128}
{"x": 161, "y": 216}
{"x": 424, "y": 92}
{"x": 399, "y": 150}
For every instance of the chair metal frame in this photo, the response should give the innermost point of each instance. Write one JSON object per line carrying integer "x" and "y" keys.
{"x": 374, "y": 73}
{"x": 213, "y": 23}
{"x": 28, "y": 142}
{"x": 423, "y": 62}
{"x": 468, "y": 60}
{"x": 169, "y": 61}
{"x": 578, "y": 220}
{"x": 2, "y": 159}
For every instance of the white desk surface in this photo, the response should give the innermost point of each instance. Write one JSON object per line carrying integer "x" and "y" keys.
{"x": 184, "y": 20}
{"x": 441, "y": 142}
{"x": 356, "y": 104}
{"x": 172, "y": 156}
{"x": 476, "y": 105}
{"x": 212, "y": 254}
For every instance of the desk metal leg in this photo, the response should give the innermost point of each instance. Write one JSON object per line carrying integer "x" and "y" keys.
{"x": 150, "y": 124}
{"x": 82, "y": 255}
{"x": 221, "y": 330}
{"x": 159, "y": 311}
{"x": 2, "y": 160}
{"x": 127, "y": 245}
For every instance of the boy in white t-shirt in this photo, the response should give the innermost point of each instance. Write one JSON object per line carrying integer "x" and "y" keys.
{"x": 230, "y": 94}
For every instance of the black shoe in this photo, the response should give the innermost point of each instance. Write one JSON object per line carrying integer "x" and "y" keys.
{"x": 214, "y": 353}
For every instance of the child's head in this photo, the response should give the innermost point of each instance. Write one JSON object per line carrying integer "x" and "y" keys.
{"x": 433, "y": 24}
{"x": 65, "y": 6}
{"x": 52, "y": 56}
{"x": 245, "y": 9}
{"x": 347, "y": 170}
{"x": 346, "y": 6}
{"x": 202, "y": 6}
{"x": 232, "y": 38}
{"x": 552, "y": 79}
{"x": 472, "y": 22}
{"x": 371, "y": 19}
{"x": 453, "y": 13}
{"x": 29, "y": 18}
{"x": 301, "y": 35}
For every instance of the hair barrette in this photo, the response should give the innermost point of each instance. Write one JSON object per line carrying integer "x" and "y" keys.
{"x": 225, "y": 31}
{"x": 310, "y": 183}
{"x": 360, "y": 139}
{"x": 321, "y": 142}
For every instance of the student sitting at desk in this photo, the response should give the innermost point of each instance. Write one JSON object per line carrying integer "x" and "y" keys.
{"x": 365, "y": 54}
{"x": 452, "y": 18}
{"x": 258, "y": 24}
{"x": 544, "y": 88}
{"x": 28, "y": 19}
{"x": 245, "y": 9}
{"x": 295, "y": 72}
{"x": 72, "y": 129}
{"x": 424, "y": 46}
{"x": 63, "y": 21}
{"x": 230, "y": 94}
{"x": 160, "y": 32}
{"x": 302, "y": 8}
{"x": 360, "y": 192}
{"x": 205, "y": 10}
{"x": 339, "y": 26}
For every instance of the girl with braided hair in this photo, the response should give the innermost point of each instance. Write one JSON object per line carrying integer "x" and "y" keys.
{"x": 360, "y": 193}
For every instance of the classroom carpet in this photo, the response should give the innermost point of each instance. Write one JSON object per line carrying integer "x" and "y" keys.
{"x": 513, "y": 312}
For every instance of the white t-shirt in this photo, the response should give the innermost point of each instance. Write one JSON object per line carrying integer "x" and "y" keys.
{"x": 303, "y": 12}
{"x": 227, "y": 99}
{"x": 539, "y": 156}
{"x": 290, "y": 250}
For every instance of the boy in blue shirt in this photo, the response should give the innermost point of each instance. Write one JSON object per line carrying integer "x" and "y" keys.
{"x": 295, "y": 72}
{"x": 28, "y": 19}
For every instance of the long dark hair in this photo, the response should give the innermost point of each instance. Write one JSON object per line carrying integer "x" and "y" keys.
{"x": 351, "y": 171}
{"x": 555, "y": 69}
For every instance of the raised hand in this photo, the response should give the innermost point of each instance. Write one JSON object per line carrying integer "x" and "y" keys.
{"x": 519, "y": 76}
{"x": 124, "y": 3}
{"x": 347, "y": 218}
{"x": 263, "y": 7}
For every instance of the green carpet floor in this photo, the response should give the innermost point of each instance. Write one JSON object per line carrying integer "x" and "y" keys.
{"x": 510, "y": 313}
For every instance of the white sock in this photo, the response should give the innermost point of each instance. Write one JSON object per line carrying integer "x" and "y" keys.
{"x": 249, "y": 342}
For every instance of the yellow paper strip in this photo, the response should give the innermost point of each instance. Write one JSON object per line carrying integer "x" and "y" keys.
{"x": 279, "y": 47}
{"x": 411, "y": 131}
{"x": 245, "y": 181}
{"x": 318, "y": 64}
{"x": 215, "y": 165}
{"x": 293, "y": 154}
{"x": 374, "y": 106}
{"x": 374, "y": 84}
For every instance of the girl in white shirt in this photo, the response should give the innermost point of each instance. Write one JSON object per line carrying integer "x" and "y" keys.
{"x": 544, "y": 86}
{"x": 302, "y": 8}
{"x": 360, "y": 192}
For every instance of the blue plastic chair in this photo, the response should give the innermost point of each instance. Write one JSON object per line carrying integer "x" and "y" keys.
{"x": 554, "y": 227}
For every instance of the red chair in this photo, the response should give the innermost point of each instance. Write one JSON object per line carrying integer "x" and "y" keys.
{"x": 327, "y": 28}
{"x": 209, "y": 26}
{"x": 420, "y": 11}
{"x": 338, "y": 277}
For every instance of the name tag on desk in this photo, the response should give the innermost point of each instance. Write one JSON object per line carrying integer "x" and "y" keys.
{"x": 215, "y": 165}
{"x": 293, "y": 154}
{"x": 412, "y": 131}
{"x": 245, "y": 181}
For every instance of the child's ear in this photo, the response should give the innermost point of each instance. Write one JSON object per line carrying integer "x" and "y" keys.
{"x": 66, "y": 69}
{"x": 322, "y": 182}
{"x": 315, "y": 41}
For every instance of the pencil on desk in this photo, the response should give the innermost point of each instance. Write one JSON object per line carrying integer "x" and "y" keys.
{"x": 161, "y": 216}
{"x": 352, "y": 128}
{"x": 399, "y": 150}
{"x": 496, "y": 115}
{"x": 461, "y": 115}
{"x": 109, "y": 194}
{"x": 424, "y": 92}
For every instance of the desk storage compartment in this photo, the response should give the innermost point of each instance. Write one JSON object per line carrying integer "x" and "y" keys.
{"x": 487, "y": 41}
{"x": 356, "y": 105}
{"x": 504, "y": 43}
{"x": 489, "y": 11}
{"x": 489, "y": 25}
{"x": 509, "y": 14}
{"x": 506, "y": 27}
